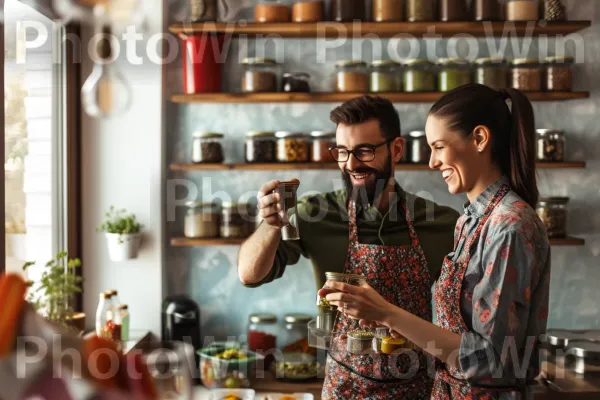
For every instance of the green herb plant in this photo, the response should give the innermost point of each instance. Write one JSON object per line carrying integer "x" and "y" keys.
{"x": 118, "y": 221}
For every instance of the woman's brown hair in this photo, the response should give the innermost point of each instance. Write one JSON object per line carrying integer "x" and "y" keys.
{"x": 513, "y": 133}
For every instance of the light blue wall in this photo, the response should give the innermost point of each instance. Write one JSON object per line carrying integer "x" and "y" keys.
{"x": 209, "y": 274}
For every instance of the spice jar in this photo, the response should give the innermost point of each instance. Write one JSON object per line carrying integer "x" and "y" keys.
{"x": 553, "y": 213}
{"x": 550, "y": 145}
{"x": 321, "y": 143}
{"x": 559, "y": 74}
{"x": 260, "y": 75}
{"x": 419, "y": 152}
{"x": 347, "y": 10}
{"x": 292, "y": 146}
{"x": 522, "y": 10}
{"x": 201, "y": 220}
{"x": 360, "y": 342}
{"x": 262, "y": 335}
{"x": 297, "y": 82}
{"x": 308, "y": 11}
{"x": 271, "y": 11}
{"x": 418, "y": 76}
{"x": 491, "y": 72}
{"x": 351, "y": 76}
{"x": 234, "y": 220}
{"x": 294, "y": 338}
{"x": 260, "y": 147}
{"x": 387, "y": 10}
{"x": 207, "y": 147}
{"x": 526, "y": 74}
{"x": 453, "y": 10}
{"x": 419, "y": 10}
{"x": 385, "y": 76}
{"x": 487, "y": 10}
{"x": 454, "y": 72}
{"x": 203, "y": 10}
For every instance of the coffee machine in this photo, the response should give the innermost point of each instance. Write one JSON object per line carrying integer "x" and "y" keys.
{"x": 181, "y": 320}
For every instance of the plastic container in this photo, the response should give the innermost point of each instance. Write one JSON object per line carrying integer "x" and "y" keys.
{"x": 387, "y": 10}
{"x": 550, "y": 145}
{"x": 308, "y": 11}
{"x": 385, "y": 76}
{"x": 260, "y": 147}
{"x": 491, "y": 72}
{"x": 234, "y": 220}
{"x": 419, "y": 76}
{"x": 201, "y": 67}
{"x": 271, "y": 11}
{"x": 296, "y": 82}
{"x": 526, "y": 74}
{"x": 559, "y": 74}
{"x": 222, "y": 373}
{"x": 420, "y": 152}
{"x": 351, "y": 76}
{"x": 453, "y": 73}
{"x": 262, "y": 335}
{"x": 553, "y": 213}
{"x": 201, "y": 220}
{"x": 260, "y": 75}
{"x": 321, "y": 143}
{"x": 296, "y": 366}
{"x": 292, "y": 147}
{"x": 522, "y": 10}
{"x": 419, "y": 10}
{"x": 207, "y": 147}
{"x": 319, "y": 338}
{"x": 453, "y": 10}
{"x": 348, "y": 10}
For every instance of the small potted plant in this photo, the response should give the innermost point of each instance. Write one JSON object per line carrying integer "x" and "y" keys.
{"x": 53, "y": 296}
{"x": 123, "y": 234}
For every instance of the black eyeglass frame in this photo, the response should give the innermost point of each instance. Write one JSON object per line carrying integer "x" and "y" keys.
{"x": 371, "y": 147}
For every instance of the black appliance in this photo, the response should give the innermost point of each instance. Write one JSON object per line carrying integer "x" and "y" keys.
{"x": 181, "y": 320}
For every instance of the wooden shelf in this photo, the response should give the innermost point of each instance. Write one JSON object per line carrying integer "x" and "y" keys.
{"x": 382, "y": 29}
{"x": 326, "y": 166}
{"x": 323, "y": 97}
{"x": 568, "y": 241}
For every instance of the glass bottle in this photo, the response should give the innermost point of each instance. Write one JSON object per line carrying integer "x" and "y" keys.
{"x": 124, "y": 322}
{"x": 262, "y": 335}
{"x": 102, "y": 313}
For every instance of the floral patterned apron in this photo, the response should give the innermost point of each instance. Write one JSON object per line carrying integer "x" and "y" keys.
{"x": 400, "y": 275}
{"x": 449, "y": 382}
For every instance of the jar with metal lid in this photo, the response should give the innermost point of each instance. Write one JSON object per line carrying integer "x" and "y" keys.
{"x": 526, "y": 74}
{"x": 522, "y": 10}
{"x": 587, "y": 356}
{"x": 351, "y": 76}
{"x": 321, "y": 143}
{"x": 487, "y": 10}
{"x": 292, "y": 146}
{"x": 453, "y": 72}
{"x": 308, "y": 11}
{"x": 387, "y": 10}
{"x": 260, "y": 75}
{"x": 262, "y": 335}
{"x": 348, "y": 10}
{"x": 419, "y": 10}
{"x": 453, "y": 10}
{"x": 419, "y": 76}
{"x": 559, "y": 74}
{"x": 271, "y": 11}
{"x": 420, "y": 152}
{"x": 327, "y": 312}
{"x": 385, "y": 76}
{"x": 201, "y": 220}
{"x": 553, "y": 213}
{"x": 491, "y": 72}
{"x": 234, "y": 220}
{"x": 360, "y": 342}
{"x": 260, "y": 147}
{"x": 294, "y": 338}
{"x": 207, "y": 147}
{"x": 297, "y": 82}
{"x": 550, "y": 145}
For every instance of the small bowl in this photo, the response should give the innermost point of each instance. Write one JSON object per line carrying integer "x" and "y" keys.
{"x": 231, "y": 374}
{"x": 243, "y": 394}
{"x": 296, "y": 367}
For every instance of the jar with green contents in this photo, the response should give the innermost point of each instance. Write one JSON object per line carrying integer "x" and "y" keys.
{"x": 453, "y": 72}
{"x": 385, "y": 76}
{"x": 491, "y": 72}
{"x": 418, "y": 76}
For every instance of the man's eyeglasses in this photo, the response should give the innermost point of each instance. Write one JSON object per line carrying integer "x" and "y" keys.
{"x": 363, "y": 153}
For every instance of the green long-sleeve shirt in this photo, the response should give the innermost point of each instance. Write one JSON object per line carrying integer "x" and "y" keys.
{"x": 324, "y": 232}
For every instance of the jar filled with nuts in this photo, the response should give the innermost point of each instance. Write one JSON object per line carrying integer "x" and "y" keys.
{"x": 260, "y": 75}
{"x": 351, "y": 76}
{"x": 526, "y": 74}
{"x": 559, "y": 74}
{"x": 292, "y": 146}
{"x": 550, "y": 145}
{"x": 260, "y": 147}
{"x": 207, "y": 147}
{"x": 553, "y": 213}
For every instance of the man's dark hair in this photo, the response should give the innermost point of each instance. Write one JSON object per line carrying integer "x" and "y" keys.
{"x": 364, "y": 108}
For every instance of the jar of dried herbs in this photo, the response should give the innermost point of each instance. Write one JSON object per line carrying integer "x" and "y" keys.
{"x": 559, "y": 74}
{"x": 260, "y": 147}
{"x": 453, "y": 72}
{"x": 207, "y": 147}
{"x": 553, "y": 213}
{"x": 491, "y": 72}
{"x": 418, "y": 76}
{"x": 385, "y": 76}
{"x": 292, "y": 146}
{"x": 526, "y": 74}
{"x": 550, "y": 145}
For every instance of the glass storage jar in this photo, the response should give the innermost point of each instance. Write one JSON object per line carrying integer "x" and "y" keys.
{"x": 526, "y": 74}
{"x": 385, "y": 76}
{"x": 418, "y": 76}
{"x": 321, "y": 143}
{"x": 453, "y": 10}
{"x": 553, "y": 213}
{"x": 234, "y": 220}
{"x": 522, "y": 10}
{"x": 294, "y": 338}
{"x": 387, "y": 10}
{"x": 308, "y": 11}
{"x": 420, "y": 152}
{"x": 347, "y": 10}
{"x": 201, "y": 220}
{"x": 260, "y": 75}
{"x": 419, "y": 10}
{"x": 207, "y": 147}
{"x": 559, "y": 74}
{"x": 260, "y": 147}
{"x": 296, "y": 82}
{"x": 487, "y": 10}
{"x": 262, "y": 335}
{"x": 351, "y": 76}
{"x": 292, "y": 146}
{"x": 203, "y": 10}
{"x": 271, "y": 11}
{"x": 491, "y": 72}
{"x": 326, "y": 311}
{"x": 550, "y": 145}
{"x": 453, "y": 72}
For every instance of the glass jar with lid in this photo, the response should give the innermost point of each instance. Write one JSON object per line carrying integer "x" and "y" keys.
{"x": 550, "y": 145}
{"x": 294, "y": 336}
{"x": 262, "y": 335}
{"x": 201, "y": 220}
{"x": 348, "y": 10}
{"x": 271, "y": 11}
{"x": 292, "y": 146}
{"x": 453, "y": 72}
{"x": 296, "y": 82}
{"x": 491, "y": 72}
{"x": 203, "y": 10}
{"x": 207, "y": 147}
{"x": 235, "y": 222}
{"x": 522, "y": 10}
{"x": 385, "y": 76}
{"x": 387, "y": 10}
{"x": 308, "y": 11}
{"x": 351, "y": 76}
{"x": 260, "y": 147}
{"x": 321, "y": 143}
{"x": 526, "y": 74}
{"x": 420, "y": 152}
{"x": 419, "y": 10}
{"x": 453, "y": 10}
{"x": 260, "y": 75}
{"x": 326, "y": 312}
{"x": 553, "y": 213}
{"x": 559, "y": 74}
{"x": 487, "y": 10}
{"x": 419, "y": 76}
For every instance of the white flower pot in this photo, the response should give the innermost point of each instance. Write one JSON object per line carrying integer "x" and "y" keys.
{"x": 123, "y": 246}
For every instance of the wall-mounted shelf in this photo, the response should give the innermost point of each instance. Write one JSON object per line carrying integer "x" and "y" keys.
{"x": 323, "y": 97}
{"x": 185, "y": 242}
{"x": 382, "y": 29}
{"x": 328, "y": 166}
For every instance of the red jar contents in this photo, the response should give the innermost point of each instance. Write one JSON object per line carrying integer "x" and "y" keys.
{"x": 201, "y": 63}
{"x": 112, "y": 330}
{"x": 263, "y": 343}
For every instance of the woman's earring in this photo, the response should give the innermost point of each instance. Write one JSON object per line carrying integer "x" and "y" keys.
{"x": 480, "y": 149}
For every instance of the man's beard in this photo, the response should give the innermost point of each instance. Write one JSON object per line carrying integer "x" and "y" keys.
{"x": 365, "y": 195}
